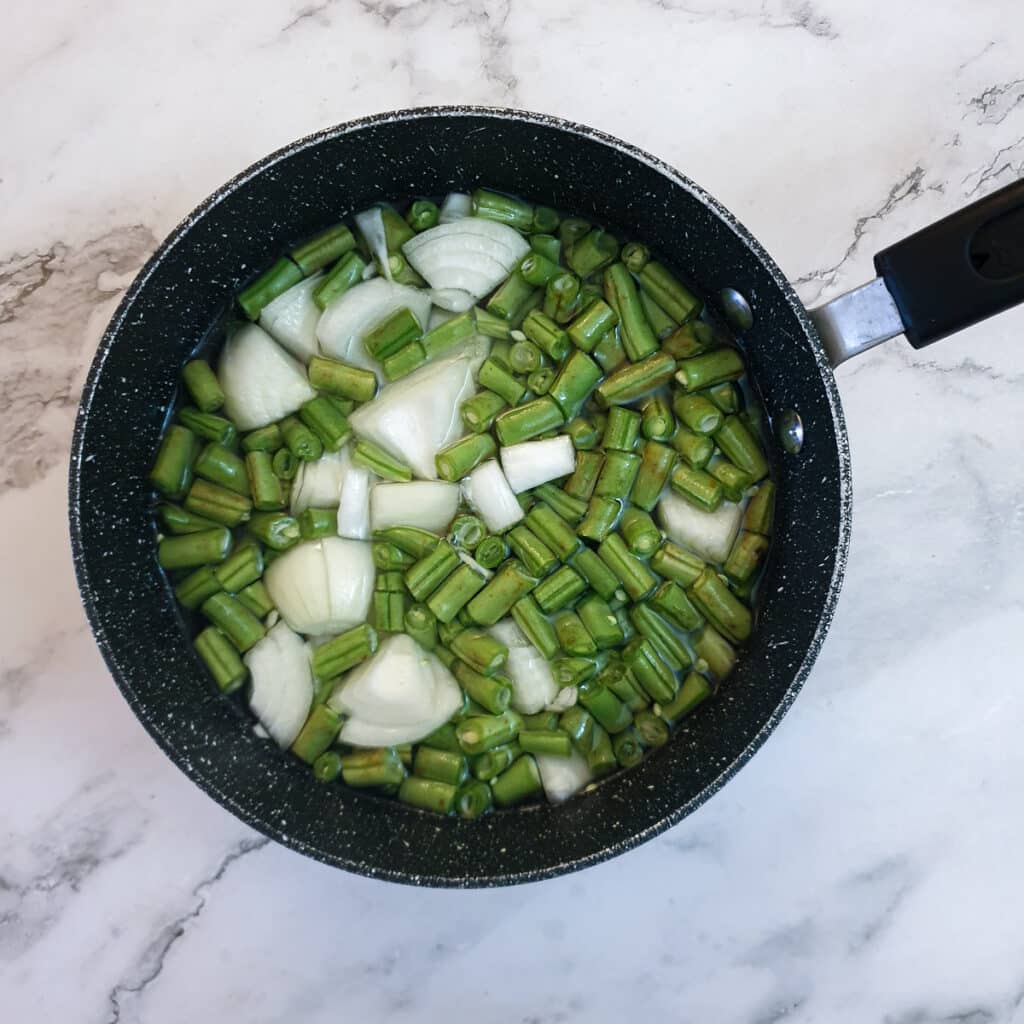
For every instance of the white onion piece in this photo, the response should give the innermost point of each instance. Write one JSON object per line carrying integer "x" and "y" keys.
{"x": 370, "y": 224}
{"x": 533, "y": 685}
{"x": 472, "y": 255}
{"x": 346, "y": 321}
{"x": 282, "y": 683}
{"x": 562, "y": 776}
{"x": 708, "y": 534}
{"x": 454, "y": 299}
{"x": 533, "y": 463}
{"x": 292, "y": 317}
{"x": 261, "y": 382}
{"x": 322, "y": 586}
{"x": 456, "y": 206}
{"x": 399, "y": 695}
{"x": 564, "y": 699}
{"x": 428, "y": 504}
{"x": 369, "y": 272}
{"x": 487, "y": 490}
{"x": 354, "y": 501}
{"x": 317, "y": 484}
{"x": 415, "y": 417}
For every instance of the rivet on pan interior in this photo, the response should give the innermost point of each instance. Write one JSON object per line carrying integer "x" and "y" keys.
{"x": 737, "y": 310}
{"x": 791, "y": 432}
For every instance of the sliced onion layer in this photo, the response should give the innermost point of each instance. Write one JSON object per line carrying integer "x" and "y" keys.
{"x": 428, "y": 504}
{"x": 533, "y": 463}
{"x": 562, "y": 776}
{"x": 291, "y": 319}
{"x": 487, "y": 490}
{"x": 533, "y": 685}
{"x": 318, "y": 484}
{"x": 282, "y": 683}
{"x": 708, "y": 534}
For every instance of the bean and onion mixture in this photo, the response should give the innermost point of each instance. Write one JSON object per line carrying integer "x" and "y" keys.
{"x": 472, "y": 507}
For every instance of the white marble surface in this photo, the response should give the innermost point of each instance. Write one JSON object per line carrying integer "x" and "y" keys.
{"x": 866, "y": 865}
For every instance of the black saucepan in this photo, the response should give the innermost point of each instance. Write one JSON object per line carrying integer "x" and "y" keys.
{"x": 951, "y": 275}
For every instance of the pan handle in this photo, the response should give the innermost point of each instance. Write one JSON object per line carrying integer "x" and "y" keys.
{"x": 953, "y": 273}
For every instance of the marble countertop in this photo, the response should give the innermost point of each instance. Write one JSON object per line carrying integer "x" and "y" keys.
{"x": 866, "y": 865}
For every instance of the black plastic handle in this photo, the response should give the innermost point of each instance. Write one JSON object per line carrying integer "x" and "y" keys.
{"x": 960, "y": 270}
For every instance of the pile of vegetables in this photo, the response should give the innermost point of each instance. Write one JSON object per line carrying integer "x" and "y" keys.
{"x": 474, "y": 504}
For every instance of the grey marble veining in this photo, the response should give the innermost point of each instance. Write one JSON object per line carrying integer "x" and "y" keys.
{"x": 865, "y": 865}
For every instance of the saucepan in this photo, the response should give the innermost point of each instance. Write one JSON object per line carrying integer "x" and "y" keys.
{"x": 947, "y": 276}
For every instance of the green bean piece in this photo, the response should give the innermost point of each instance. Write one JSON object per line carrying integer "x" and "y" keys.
{"x": 318, "y": 522}
{"x": 531, "y": 620}
{"x": 491, "y": 763}
{"x": 607, "y": 710}
{"x": 511, "y": 298}
{"x": 741, "y": 448}
{"x": 545, "y": 741}
{"x": 552, "y": 529}
{"x": 268, "y": 286}
{"x": 580, "y": 485}
{"x": 559, "y": 589}
{"x": 324, "y": 248}
{"x": 525, "y": 357}
{"x": 178, "y": 520}
{"x": 600, "y": 622}
{"x": 574, "y": 671}
{"x": 609, "y": 352}
{"x": 571, "y": 230}
{"x": 346, "y": 273}
{"x": 481, "y": 652}
{"x": 194, "y": 549}
{"x": 421, "y": 215}
{"x": 635, "y": 256}
{"x": 441, "y": 765}
{"x": 267, "y": 439}
{"x": 473, "y": 799}
{"x": 243, "y": 566}
{"x": 653, "y": 732}
{"x": 427, "y": 794}
{"x": 195, "y": 588}
{"x": 390, "y": 581}
{"x": 443, "y": 737}
{"x": 381, "y": 766}
{"x": 697, "y": 413}
{"x": 702, "y": 371}
{"x": 517, "y": 783}
{"x": 497, "y": 378}
{"x": 658, "y": 423}
{"x": 462, "y": 457}
{"x": 547, "y": 245}
{"x": 492, "y": 694}
{"x": 410, "y": 539}
{"x": 669, "y": 293}
{"x": 490, "y": 324}
{"x": 545, "y": 333}
{"x": 663, "y": 639}
{"x": 601, "y": 517}
{"x": 746, "y": 555}
{"x": 221, "y": 658}
{"x": 378, "y": 461}
{"x": 635, "y": 380}
{"x": 689, "y": 340}
{"x": 697, "y": 487}
{"x": 285, "y": 464}
{"x": 256, "y": 598}
{"x": 578, "y": 724}
{"x": 540, "y": 381}
{"x": 421, "y": 624}
{"x": 491, "y": 552}
{"x": 300, "y": 439}
{"x": 656, "y": 462}
{"x": 677, "y": 564}
{"x": 726, "y": 396}
{"x": 537, "y": 558}
{"x": 587, "y": 330}
{"x": 327, "y": 767}
{"x": 395, "y": 331}
{"x": 503, "y": 209}
{"x": 448, "y": 631}
{"x": 389, "y": 557}
{"x": 402, "y": 272}
{"x": 537, "y": 270}
{"x": 584, "y": 434}
{"x": 480, "y": 733}
{"x": 654, "y": 677}
{"x": 720, "y": 605}
{"x": 467, "y": 531}
{"x": 573, "y": 636}
{"x": 600, "y": 578}
{"x": 202, "y": 385}
{"x": 512, "y": 582}
{"x": 208, "y": 426}
{"x": 528, "y": 420}
{"x": 426, "y": 575}
{"x": 734, "y": 481}
{"x": 264, "y": 486}
{"x": 696, "y": 449}
{"x": 396, "y": 230}
{"x": 172, "y": 469}
{"x": 671, "y": 601}
{"x": 388, "y": 611}
{"x": 223, "y": 467}
{"x": 455, "y": 592}
{"x": 761, "y": 510}
{"x": 540, "y": 720}
{"x": 217, "y": 503}
{"x": 275, "y": 529}
{"x": 233, "y": 619}
{"x": 561, "y": 299}
{"x": 574, "y": 383}
{"x": 661, "y": 323}
{"x": 594, "y": 251}
{"x": 637, "y": 580}
{"x": 639, "y": 531}
{"x": 342, "y": 380}
{"x": 618, "y": 474}
{"x": 479, "y": 412}
{"x": 622, "y": 429}
{"x": 629, "y": 748}
{"x": 620, "y": 292}
{"x": 343, "y": 652}
{"x": 601, "y": 758}
{"x": 694, "y": 690}
{"x": 570, "y": 509}
{"x": 545, "y": 219}
{"x": 619, "y": 680}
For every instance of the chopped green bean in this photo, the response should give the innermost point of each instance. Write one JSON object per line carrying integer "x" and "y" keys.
{"x": 172, "y": 469}
{"x": 601, "y": 517}
{"x": 481, "y": 733}
{"x": 696, "y": 449}
{"x": 178, "y": 520}
{"x": 702, "y": 371}
{"x": 378, "y": 461}
{"x": 462, "y": 457}
{"x": 455, "y": 592}
{"x": 268, "y": 286}
{"x": 421, "y": 215}
{"x": 637, "y": 580}
{"x": 342, "y": 380}
{"x": 609, "y": 712}
{"x": 344, "y": 651}
{"x": 622, "y": 429}
{"x": 441, "y": 765}
{"x": 635, "y": 380}
{"x": 618, "y": 474}
{"x": 346, "y": 273}
{"x": 654, "y": 677}
{"x": 718, "y": 603}
{"x": 371, "y": 768}
{"x": 275, "y": 529}
{"x": 221, "y": 658}
{"x": 217, "y": 503}
{"x": 286, "y": 465}
{"x": 209, "y": 426}
{"x": 318, "y": 522}
{"x": 256, "y": 598}
{"x": 233, "y": 619}
{"x": 545, "y": 741}
{"x": 427, "y": 794}
{"x": 300, "y": 439}
{"x": 503, "y": 209}
{"x": 699, "y": 415}
{"x": 580, "y": 484}
{"x": 561, "y": 298}
{"x": 760, "y": 510}
{"x": 594, "y": 251}
{"x": 741, "y": 448}
{"x": 694, "y": 690}
{"x": 639, "y": 531}
{"x": 656, "y": 461}
{"x": 510, "y": 300}
{"x": 491, "y": 552}
{"x": 264, "y": 486}
{"x": 620, "y": 292}
{"x": 243, "y": 566}
{"x": 662, "y": 637}
{"x": 196, "y": 587}
{"x": 669, "y": 293}
{"x": 324, "y": 248}
{"x": 426, "y": 575}
{"x": 194, "y": 549}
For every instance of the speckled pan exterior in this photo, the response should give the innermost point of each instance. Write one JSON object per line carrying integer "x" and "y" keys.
{"x": 179, "y": 301}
